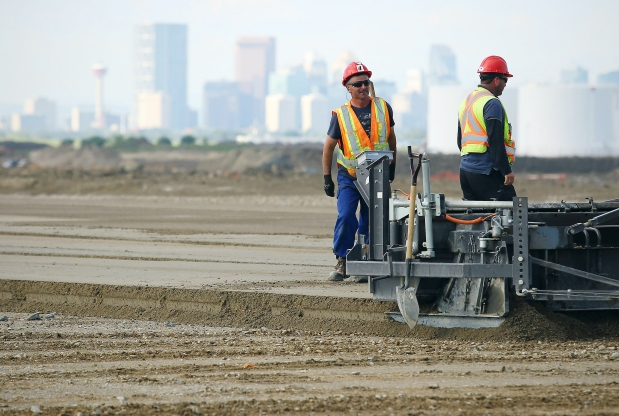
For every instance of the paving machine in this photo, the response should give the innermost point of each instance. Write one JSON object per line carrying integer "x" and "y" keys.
{"x": 461, "y": 259}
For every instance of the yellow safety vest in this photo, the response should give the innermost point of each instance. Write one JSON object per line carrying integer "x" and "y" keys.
{"x": 473, "y": 125}
{"x": 355, "y": 140}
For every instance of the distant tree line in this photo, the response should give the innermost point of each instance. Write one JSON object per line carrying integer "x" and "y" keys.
{"x": 141, "y": 143}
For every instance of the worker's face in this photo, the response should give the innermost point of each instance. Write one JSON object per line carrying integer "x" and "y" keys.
{"x": 500, "y": 84}
{"x": 362, "y": 91}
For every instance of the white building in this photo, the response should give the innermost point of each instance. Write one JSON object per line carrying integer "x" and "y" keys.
{"x": 160, "y": 65}
{"x": 547, "y": 120}
{"x": 415, "y": 81}
{"x": 568, "y": 120}
{"x": 81, "y": 120}
{"x": 443, "y": 104}
{"x": 42, "y": 107}
{"x": 154, "y": 110}
{"x": 315, "y": 114}
{"x": 27, "y": 122}
{"x": 280, "y": 113}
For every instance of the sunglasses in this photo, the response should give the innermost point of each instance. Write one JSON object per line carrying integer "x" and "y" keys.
{"x": 504, "y": 79}
{"x": 358, "y": 84}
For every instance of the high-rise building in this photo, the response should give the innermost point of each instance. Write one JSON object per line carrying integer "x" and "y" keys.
{"x": 81, "y": 120}
{"x": 410, "y": 111}
{"x": 577, "y": 75}
{"x": 316, "y": 72}
{"x": 341, "y": 62}
{"x": 315, "y": 114}
{"x": 609, "y": 78}
{"x": 225, "y": 107}
{"x": 290, "y": 81}
{"x": 42, "y": 107}
{"x": 415, "y": 81}
{"x": 160, "y": 66}
{"x": 280, "y": 113}
{"x": 27, "y": 122}
{"x": 384, "y": 89}
{"x": 442, "y": 66}
{"x": 154, "y": 110}
{"x": 255, "y": 59}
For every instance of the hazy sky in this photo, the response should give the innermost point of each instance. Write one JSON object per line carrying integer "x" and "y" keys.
{"x": 47, "y": 47}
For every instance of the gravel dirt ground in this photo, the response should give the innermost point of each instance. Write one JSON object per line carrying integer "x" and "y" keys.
{"x": 195, "y": 294}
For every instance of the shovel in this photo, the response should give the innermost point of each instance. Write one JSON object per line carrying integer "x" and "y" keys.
{"x": 407, "y": 294}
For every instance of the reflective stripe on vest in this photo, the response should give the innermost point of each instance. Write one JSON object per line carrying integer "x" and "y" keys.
{"x": 473, "y": 125}
{"x": 355, "y": 140}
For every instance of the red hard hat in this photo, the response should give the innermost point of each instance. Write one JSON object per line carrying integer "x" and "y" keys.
{"x": 494, "y": 64}
{"x": 355, "y": 68}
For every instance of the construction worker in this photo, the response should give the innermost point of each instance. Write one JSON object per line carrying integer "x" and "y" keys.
{"x": 363, "y": 123}
{"x": 485, "y": 137}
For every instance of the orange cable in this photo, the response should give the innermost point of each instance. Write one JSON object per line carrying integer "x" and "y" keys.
{"x": 475, "y": 221}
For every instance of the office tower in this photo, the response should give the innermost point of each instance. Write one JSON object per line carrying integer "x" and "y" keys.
{"x": 255, "y": 59}
{"x": 410, "y": 110}
{"x": 415, "y": 81}
{"x": 280, "y": 112}
{"x": 341, "y": 62}
{"x": 316, "y": 72}
{"x": 27, "y": 122}
{"x": 576, "y": 75}
{"x": 315, "y": 114}
{"x": 384, "y": 89}
{"x": 154, "y": 110}
{"x": 99, "y": 72}
{"x": 225, "y": 107}
{"x": 609, "y": 78}
{"x": 160, "y": 66}
{"x": 289, "y": 81}
{"x": 81, "y": 120}
{"x": 442, "y": 66}
{"x": 42, "y": 107}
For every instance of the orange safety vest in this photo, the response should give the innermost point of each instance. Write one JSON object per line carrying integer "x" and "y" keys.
{"x": 354, "y": 137}
{"x": 473, "y": 125}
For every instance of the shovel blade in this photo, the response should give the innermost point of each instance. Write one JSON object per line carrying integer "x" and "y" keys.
{"x": 408, "y": 304}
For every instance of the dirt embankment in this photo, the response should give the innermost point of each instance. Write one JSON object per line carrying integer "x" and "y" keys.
{"x": 274, "y": 159}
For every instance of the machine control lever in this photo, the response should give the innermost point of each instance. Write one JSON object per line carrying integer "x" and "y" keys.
{"x": 600, "y": 219}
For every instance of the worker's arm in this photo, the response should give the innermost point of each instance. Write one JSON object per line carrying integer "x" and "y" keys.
{"x": 327, "y": 162}
{"x": 495, "y": 131}
{"x": 393, "y": 146}
{"x": 494, "y": 128}
{"x": 459, "y": 136}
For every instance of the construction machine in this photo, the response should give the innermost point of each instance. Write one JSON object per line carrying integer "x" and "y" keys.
{"x": 454, "y": 263}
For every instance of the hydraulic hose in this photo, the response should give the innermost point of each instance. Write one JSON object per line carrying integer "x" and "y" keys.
{"x": 475, "y": 221}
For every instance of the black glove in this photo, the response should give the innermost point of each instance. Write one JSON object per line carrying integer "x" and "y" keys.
{"x": 329, "y": 186}
{"x": 391, "y": 171}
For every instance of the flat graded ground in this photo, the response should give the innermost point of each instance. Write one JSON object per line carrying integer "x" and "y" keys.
{"x": 184, "y": 296}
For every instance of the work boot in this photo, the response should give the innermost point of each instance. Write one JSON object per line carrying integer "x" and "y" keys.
{"x": 359, "y": 279}
{"x": 339, "y": 273}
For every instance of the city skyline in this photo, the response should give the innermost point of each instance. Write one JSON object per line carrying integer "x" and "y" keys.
{"x": 49, "y": 47}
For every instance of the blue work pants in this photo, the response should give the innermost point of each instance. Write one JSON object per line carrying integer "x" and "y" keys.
{"x": 347, "y": 225}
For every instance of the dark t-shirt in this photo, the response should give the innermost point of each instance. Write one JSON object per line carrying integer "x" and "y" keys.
{"x": 364, "y": 114}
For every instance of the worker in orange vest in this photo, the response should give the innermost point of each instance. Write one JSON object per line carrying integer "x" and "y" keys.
{"x": 363, "y": 123}
{"x": 485, "y": 137}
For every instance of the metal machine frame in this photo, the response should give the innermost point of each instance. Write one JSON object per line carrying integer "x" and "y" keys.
{"x": 563, "y": 254}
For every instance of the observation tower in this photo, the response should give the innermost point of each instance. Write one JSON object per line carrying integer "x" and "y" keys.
{"x": 99, "y": 70}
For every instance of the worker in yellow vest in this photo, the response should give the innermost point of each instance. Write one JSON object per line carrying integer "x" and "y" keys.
{"x": 363, "y": 123}
{"x": 485, "y": 137}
